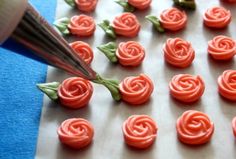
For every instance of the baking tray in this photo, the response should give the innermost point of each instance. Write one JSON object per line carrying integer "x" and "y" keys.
{"x": 107, "y": 116}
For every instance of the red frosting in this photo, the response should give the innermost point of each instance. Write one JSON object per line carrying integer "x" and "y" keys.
{"x": 222, "y": 47}
{"x": 82, "y": 25}
{"x": 139, "y": 131}
{"x": 178, "y": 52}
{"x": 194, "y": 128}
{"x": 227, "y": 84}
{"x": 186, "y": 88}
{"x": 140, "y": 4}
{"x": 83, "y": 50}
{"x": 130, "y": 53}
{"x": 75, "y": 92}
{"x": 76, "y": 133}
{"x": 230, "y": 1}
{"x": 86, "y": 5}
{"x": 126, "y": 25}
{"x": 136, "y": 90}
{"x": 234, "y": 126}
{"x": 217, "y": 17}
{"x": 173, "y": 19}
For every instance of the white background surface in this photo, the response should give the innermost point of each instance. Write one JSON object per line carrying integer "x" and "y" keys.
{"x": 107, "y": 116}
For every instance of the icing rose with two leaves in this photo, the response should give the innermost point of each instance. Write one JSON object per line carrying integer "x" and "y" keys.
{"x": 140, "y": 4}
{"x": 222, "y": 47}
{"x": 86, "y": 5}
{"x": 139, "y": 131}
{"x": 75, "y": 92}
{"x": 126, "y": 25}
{"x": 76, "y": 133}
{"x": 82, "y": 25}
{"x": 178, "y": 52}
{"x": 194, "y": 128}
{"x": 130, "y": 53}
{"x": 83, "y": 50}
{"x": 234, "y": 126}
{"x": 227, "y": 84}
{"x": 186, "y": 88}
{"x": 217, "y": 17}
{"x": 173, "y": 19}
{"x": 136, "y": 90}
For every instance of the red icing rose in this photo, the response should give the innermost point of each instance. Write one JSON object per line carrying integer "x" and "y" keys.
{"x": 82, "y": 25}
{"x": 126, "y": 25}
{"x": 83, "y": 50}
{"x": 140, "y": 4}
{"x": 86, "y": 5}
{"x": 130, "y": 53}
{"x": 75, "y": 92}
{"x": 76, "y": 133}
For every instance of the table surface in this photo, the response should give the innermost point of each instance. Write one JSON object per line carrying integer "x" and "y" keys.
{"x": 107, "y": 116}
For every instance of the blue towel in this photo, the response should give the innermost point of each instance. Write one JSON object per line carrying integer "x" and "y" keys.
{"x": 20, "y": 101}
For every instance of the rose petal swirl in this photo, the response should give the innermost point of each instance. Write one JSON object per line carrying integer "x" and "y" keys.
{"x": 140, "y": 4}
{"x": 227, "y": 84}
{"x": 139, "y": 131}
{"x": 234, "y": 126}
{"x": 76, "y": 133}
{"x": 126, "y": 25}
{"x": 136, "y": 90}
{"x": 83, "y": 50}
{"x": 75, "y": 92}
{"x": 130, "y": 53}
{"x": 173, "y": 19}
{"x": 178, "y": 52}
{"x": 86, "y": 5}
{"x": 194, "y": 128}
{"x": 222, "y": 47}
{"x": 186, "y": 88}
{"x": 82, "y": 25}
{"x": 217, "y": 17}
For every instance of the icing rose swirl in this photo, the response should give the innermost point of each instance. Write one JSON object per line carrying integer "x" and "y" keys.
{"x": 227, "y": 84}
{"x": 83, "y": 50}
{"x": 217, "y": 17}
{"x": 76, "y": 133}
{"x": 140, "y": 4}
{"x": 194, "y": 128}
{"x": 186, "y": 88}
{"x": 126, "y": 25}
{"x": 178, "y": 52}
{"x": 173, "y": 19}
{"x": 82, "y": 25}
{"x": 234, "y": 126}
{"x": 136, "y": 90}
{"x": 130, "y": 53}
{"x": 75, "y": 92}
{"x": 139, "y": 131}
{"x": 222, "y": 47}
{"x": 86, "y": 5}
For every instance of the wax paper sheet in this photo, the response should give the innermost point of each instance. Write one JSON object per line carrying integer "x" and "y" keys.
{"x": 107, "y": 116}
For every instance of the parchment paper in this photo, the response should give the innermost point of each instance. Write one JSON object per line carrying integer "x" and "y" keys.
{"x": 107, "y": 116}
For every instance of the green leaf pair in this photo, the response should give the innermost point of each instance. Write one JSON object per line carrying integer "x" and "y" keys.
{"x": 109, "y": 50}
{"x": 105, "y": 25}
{"x": 50, "y": 89}
{"x": 156, "y": 23}
{"x": 127, "y": 7}
{"x": 62, "y": 25}
{"x": 188, "y": 4}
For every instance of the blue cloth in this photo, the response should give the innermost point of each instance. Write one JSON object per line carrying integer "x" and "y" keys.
{"x": 20, "y": 101}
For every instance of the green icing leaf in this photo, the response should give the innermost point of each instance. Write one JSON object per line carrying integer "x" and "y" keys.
{"x": 156, "y": 23}
{"x": 105, "y": 25}
{"x": 50, "y": 89}
{"x": 62, "y": 25}
{"x": 70, "y": 2}
{"x": 111, "y": 85}
{"x": 109, "y": 50}
{"x": 127, "y": 7}
{"x": 188, "y": 4}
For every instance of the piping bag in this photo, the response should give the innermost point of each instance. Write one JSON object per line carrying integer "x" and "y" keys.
{"x": 22, "y": 23}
